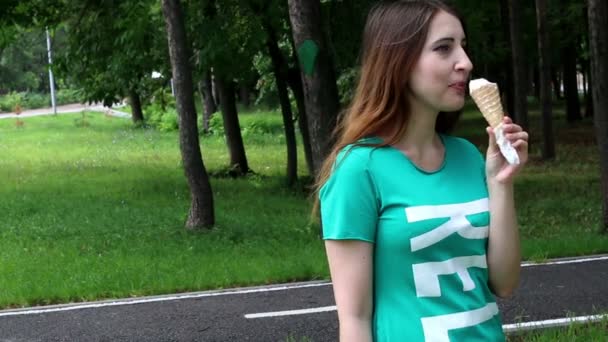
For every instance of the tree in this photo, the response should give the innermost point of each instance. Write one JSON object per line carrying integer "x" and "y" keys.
{"x": 225, "y": 41}
{"x": 201, "y": 213}
{"x": 318, "y": 78}
{"x": 280, "y": 69}
{"x": 598, "y": 39}
{"x": 205, "y": 88}
{"x": 548, "y": 151}
{"x": 113, "y": 48}
{"x": 566, "y": 19}
{"x": 520, "y": 67}
{"x": 280, "y": 72}
{"x": 238, "y": 160}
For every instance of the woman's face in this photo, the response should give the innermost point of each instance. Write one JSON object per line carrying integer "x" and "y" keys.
{"x": 438, "y": 80}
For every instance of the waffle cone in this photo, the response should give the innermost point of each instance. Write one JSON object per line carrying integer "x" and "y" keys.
{"x": 487, "y": 99}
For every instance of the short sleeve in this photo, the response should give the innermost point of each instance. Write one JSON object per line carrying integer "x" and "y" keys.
{"x": 349, "y": 205}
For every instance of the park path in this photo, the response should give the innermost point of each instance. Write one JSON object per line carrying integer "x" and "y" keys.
{"x": 66, "y": 109}
{"x": 550, "y": 294}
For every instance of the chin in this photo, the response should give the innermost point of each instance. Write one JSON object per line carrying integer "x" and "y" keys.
{"x": 452, "y": 107}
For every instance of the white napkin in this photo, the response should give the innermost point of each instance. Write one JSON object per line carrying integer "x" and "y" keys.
{"x": 505, "y": 146}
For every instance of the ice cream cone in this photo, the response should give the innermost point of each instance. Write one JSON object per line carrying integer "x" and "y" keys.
{"x": 487, "y": 98}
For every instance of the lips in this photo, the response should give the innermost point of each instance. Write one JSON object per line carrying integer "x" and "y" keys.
{"x": 459, "y": 86}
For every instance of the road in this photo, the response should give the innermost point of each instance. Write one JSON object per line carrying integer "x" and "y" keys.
{"x": 558, "y": 289}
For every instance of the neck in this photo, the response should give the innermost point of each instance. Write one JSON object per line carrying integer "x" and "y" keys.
{"x": 420, "y": 134}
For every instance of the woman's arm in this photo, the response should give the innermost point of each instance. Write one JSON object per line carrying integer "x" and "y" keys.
{"x": 504, "y": 256}
{"x": 351, "y": 267}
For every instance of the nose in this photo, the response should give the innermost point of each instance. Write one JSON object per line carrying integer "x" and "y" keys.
{"x": 463, "y": 63}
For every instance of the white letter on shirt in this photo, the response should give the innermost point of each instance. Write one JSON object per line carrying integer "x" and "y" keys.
{"x": 458, "y": 222}
{"x": 426, "y": 275}
{"x": 436, "y": 328}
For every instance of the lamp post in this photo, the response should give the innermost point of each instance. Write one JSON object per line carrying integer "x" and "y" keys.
{"x": 51, "y": 79}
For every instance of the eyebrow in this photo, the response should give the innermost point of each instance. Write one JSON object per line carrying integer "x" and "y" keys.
{"x": 448, "y": 40}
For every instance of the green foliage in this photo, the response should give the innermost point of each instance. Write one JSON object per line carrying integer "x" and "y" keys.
{"x": 266, "y": 84}
{"x": 216, "y": 124}
{"x": 113, "y": 48}
{"x": 255, "y": 126}
{"x": 161, "y": 113}
{"x": 344, "y": 22}
{"x": 25, "y": 100}
{"x": 29, "y": 100}
{"x": 226, "y": 35}
{"x": 10, "y": 101}
{"x": 67, "y": 96}
{"x": 23, "y": 63}
{"x": 347, "y": 83}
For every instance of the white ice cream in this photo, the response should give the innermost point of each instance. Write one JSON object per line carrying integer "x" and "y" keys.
{"x": 478, "y": 83}
{"x": 504, "y": 145}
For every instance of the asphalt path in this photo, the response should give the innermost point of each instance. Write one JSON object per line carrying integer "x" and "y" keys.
{"x": 290, "y": 312}
{"x": 65, "y": 109}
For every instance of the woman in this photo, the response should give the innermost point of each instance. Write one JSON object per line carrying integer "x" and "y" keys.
{"x": 420, "y": 232}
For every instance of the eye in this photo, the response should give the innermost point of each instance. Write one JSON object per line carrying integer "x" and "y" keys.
{"x": 443, "y": 48}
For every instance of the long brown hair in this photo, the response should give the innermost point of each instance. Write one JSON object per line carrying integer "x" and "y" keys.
{"x": 393, "y": 39}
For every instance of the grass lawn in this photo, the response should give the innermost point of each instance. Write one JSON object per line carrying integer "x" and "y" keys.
{"x": 97, "y": 211}
{"x": 592, "y": 332}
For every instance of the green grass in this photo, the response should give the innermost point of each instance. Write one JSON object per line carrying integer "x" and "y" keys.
{"x": 97, "y": 211}
{"x": 589, "y": 332}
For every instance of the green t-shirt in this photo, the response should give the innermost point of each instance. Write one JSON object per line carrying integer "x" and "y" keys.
{"x": 430, "y": 231}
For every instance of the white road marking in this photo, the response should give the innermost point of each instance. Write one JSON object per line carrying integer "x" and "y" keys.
{"x": 552, "y": 323}
{"x": 120, "y": 302}
{"x": 291, "y": 312}
{"x": 507, "y": 328}
{"x": 566, "y": 261}
{"x": 69, "y": 307}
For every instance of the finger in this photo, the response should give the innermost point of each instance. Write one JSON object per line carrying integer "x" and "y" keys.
{"x": 520, "y": 144}
{"x": 492, "y": 146}
{"x": 510, "y": 128}
{"x": 517, "y": 136}
{"x": 507, "y": 120}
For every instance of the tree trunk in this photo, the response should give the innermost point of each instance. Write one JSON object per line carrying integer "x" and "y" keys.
{"x": 201, "y": 213}
{"x": 508, "y": 90}
{"x": 232, "y": 128}
{"x": 520, "y": 79}
{"x": 318, "y": 76}
{"x": 137, "y": 114}
{"x": 537, "y": 81}
{"x": 589, "y": 98}
{"x": 548, "y": 150}
{"x": 280, "y": 73}
{"x": 573, "y": 106}
{"x": 244, "y": 94}
{"x": 205, "y": 88}
{"x": 598, "y": 39}
{"x": 295, "y": 83}
{"x": 556, "y": 83}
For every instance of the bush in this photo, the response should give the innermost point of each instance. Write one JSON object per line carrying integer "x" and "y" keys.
{"x": 36, "y": 100}
{"x": 216, "y": 124}
{"x": 10, "y": 100}
{"x": 28, "y": 100}
{"x": 67, "y": 96}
